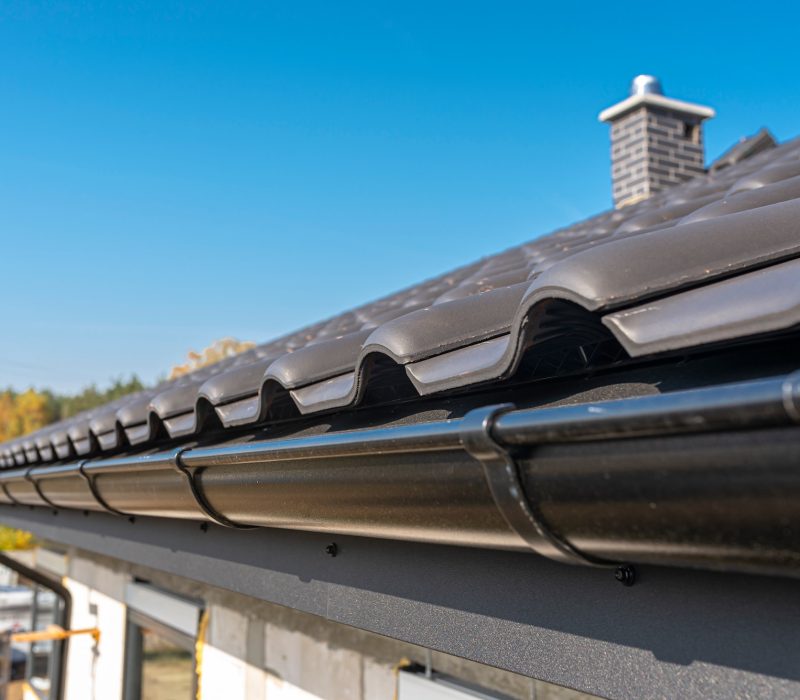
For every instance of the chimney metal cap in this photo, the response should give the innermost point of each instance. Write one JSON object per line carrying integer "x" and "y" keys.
{"x": 646, "y": 85}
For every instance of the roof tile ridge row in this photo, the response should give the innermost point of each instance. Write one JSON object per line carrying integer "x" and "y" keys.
{"x": 547, "y": 285}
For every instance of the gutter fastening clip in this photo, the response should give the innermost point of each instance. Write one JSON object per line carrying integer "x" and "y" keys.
{"x": 503, "y": 479}
{"x": 37, "y": 488}
{"x": 202, "y": 503}
{"x": 95, "y": 492}
{"x": 11, "y": 498}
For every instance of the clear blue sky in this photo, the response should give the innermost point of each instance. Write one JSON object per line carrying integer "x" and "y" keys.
{"x": 176, "y": 173}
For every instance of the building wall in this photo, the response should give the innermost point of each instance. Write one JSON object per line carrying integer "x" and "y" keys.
{"x": 94, "y": 672}
{"x": 253, "y": 650}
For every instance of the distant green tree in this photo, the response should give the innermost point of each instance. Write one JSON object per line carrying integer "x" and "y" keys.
{"x": 22, "y": 412}
{"x": 92, "y": 397}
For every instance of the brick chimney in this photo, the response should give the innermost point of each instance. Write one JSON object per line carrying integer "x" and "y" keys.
{"x": 656, "y": 141}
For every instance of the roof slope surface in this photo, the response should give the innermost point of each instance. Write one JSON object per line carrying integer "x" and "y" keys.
{"x": 713, "y": 260}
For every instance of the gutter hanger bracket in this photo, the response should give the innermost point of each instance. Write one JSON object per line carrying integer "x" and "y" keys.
{"x": 502, "y": 477}
{"x": 93, "y": 488}
{"x": 197, "y": 493}
{"x": 11, "y": 498}
{"x": 29, "y": 477}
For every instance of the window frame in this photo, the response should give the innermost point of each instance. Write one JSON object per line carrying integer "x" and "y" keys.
{"x": 61, "y": 617}
{"x": 136, "y": 621}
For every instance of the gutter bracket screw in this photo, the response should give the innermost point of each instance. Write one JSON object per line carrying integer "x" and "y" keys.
{"x": 332, "y": 550}
{"x": 625, "y": 574}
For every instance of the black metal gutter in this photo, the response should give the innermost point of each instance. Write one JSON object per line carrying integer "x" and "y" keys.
{"x": 707, "y": 478}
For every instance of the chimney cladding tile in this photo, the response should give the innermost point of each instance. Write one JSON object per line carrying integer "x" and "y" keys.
{"x": 656, "y": 151}
{"x": 663, "y": 170}
{"x": 660, "y": 131}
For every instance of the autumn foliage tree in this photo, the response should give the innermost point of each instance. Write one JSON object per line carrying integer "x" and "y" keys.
{"x": 218, "y": 350}
{"x": 23, "y": 412}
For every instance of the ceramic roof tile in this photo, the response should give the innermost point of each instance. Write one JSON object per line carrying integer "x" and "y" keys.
{"x": 668, "y": 272}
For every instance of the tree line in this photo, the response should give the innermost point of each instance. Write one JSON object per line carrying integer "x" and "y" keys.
{"x": 22, "y": 412}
